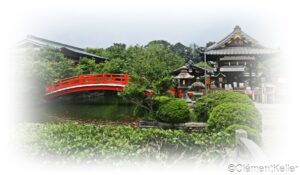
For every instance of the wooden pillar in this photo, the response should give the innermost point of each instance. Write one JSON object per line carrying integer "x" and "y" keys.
{"x": 207, "y": 81}
{"x": 250, "y": 82}
{"x": 256, "y": 75}
{"x": 177, "y": 89}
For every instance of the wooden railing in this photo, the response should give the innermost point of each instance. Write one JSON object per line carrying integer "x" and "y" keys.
{"x": 121, "y": 79}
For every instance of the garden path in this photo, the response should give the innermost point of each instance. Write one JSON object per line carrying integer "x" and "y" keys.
{"x": 278, "y": 130}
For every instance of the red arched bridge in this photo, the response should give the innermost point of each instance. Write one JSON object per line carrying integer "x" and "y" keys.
{"x": 87, "y": 82}
{"x": 93, "y": 82}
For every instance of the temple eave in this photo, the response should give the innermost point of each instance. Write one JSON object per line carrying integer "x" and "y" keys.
{"x": 241, "y": 52}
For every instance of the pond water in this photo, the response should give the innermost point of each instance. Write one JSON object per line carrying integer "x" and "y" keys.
{"x": 103, "y": 107}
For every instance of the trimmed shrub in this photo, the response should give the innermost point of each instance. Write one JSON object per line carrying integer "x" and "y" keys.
{"x": 174, "y": 111}
{"x": 252, "y": 133}
{"x": 156, "y": 102}
{"x": 228, "y": 114}
{"x": 205, "y": 104}
{"x": 161, "y": 99}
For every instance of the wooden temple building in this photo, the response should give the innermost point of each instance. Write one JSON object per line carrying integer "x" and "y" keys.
{"x": 235, "y": 60}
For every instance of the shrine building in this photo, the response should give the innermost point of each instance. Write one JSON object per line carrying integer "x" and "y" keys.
{"x": 235, "y": 60}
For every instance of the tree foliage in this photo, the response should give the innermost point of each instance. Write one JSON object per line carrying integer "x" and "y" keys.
{"x": 182, "y": 50}
{"x": 149, "y": 69}
{"x": 47, "y": 65}
{"x": 117, "y": 50}
{"x": 210, "y": 43}
{"x": 161, "y": 43}
{"x": 192, "y": 52}
{"x": 271, "y": 68}
{"x": 88, "y": 66}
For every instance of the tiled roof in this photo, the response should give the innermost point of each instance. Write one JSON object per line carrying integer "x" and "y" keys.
{"x": 42, "y": 41}
{"x": 241, "y": 51}
{"x": 237, "y": 58}
{"x": 253, "y": 46}
{"x": 237, "y": 30}
{"x": 37, "y": 41}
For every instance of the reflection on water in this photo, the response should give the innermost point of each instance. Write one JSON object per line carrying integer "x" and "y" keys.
{"x": 99, "y": 106}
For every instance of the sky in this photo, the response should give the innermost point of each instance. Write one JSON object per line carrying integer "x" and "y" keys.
{"x": 102, "y": 23}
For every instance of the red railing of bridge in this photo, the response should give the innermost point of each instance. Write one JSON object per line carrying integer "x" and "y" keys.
{"x": 121, "y": 79}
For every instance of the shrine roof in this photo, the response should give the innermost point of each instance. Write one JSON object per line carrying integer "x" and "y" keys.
{"x": 241, "y": 51}
{"x": 238, "y": 43}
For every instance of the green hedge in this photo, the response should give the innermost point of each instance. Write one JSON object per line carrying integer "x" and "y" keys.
{"x": 205, "y": 104}
{"x": 228, "y": 114}
{"x": 174, "y": 111}
{"x": 72, "y": 141}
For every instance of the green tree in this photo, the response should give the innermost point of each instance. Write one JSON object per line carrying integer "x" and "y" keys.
{"x": 117, "y": 50}
{"x": 210, "y": 43}
{"x": 271, "y": 68}
{"x": 97, "y": 51}
{"x": 49, "y": 65}
{"x": 196, "y": 52}
{"x": 161, "y": 43}
{"x": 149, "y": 70}
{"x": 182, "y": 50}
{"x": 43, "y": 66}
{"x": 114, "y": 66}
{"x": 88, "y": 66}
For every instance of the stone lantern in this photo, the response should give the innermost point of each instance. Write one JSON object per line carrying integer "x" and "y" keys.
{"x": 184, "y": 79}
{"x": 197, "y": 86}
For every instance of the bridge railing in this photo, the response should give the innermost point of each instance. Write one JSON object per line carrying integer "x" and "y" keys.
{"x": 121, "y": 79}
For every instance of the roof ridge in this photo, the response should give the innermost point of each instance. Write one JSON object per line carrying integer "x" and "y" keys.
{"x": 53, "y": 42}
{"x": 82, "y": 51}
{"x": 237, "y": 29}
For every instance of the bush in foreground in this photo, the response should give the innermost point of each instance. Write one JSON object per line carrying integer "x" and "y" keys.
{"x": 73, "y": 142}
{"x": 205, "y": 104}
{"x": 228, "y": 114}
{"x": 174, "y": 111}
